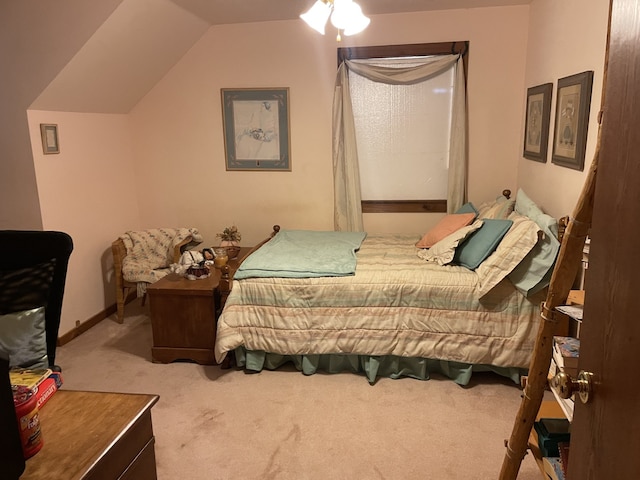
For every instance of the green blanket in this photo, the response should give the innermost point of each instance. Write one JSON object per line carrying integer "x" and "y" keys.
{"x": 304, "y": 254}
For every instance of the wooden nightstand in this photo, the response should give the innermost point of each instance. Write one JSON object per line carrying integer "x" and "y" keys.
{"x": 184, "y": 314}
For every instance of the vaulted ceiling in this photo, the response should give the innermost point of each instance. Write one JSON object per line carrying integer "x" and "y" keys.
{"x": 218, "y": 12}
{"x": 140, "y": 40}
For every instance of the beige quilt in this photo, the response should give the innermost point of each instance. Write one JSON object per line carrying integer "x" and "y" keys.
{"x": 396, "y": 304}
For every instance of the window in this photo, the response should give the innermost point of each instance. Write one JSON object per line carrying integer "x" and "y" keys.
{"x": 402, "y": 146}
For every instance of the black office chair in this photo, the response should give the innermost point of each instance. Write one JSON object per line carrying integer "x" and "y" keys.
{"x": 33, "y": 271}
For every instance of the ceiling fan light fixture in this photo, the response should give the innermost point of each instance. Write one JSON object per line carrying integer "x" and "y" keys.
{"x": 342, "y": 13}
{"x": 346, "y": 15}
{"x": 317, "y": 16}
{"x": 358, "y": 21}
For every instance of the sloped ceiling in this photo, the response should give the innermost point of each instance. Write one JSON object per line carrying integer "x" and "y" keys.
{"x": 142, "y": 39}
{"x": 218, "y": 12}
{"x": 127, "y": 55}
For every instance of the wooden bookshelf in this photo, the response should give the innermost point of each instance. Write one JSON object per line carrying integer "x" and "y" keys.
{"x": 554, "y": 406}
{"x": 548, "y": 409}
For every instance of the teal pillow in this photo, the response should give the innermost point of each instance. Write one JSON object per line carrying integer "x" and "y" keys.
{"x": 23, "y": 338}
{"x": 527, "y": 207}
{"x": 481, "y": 243}
{"x": 533, "y": 273}
{"x": 467, "y": 208}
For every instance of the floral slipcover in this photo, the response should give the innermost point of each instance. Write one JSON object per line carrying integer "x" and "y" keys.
{"x": 150, "y": 252}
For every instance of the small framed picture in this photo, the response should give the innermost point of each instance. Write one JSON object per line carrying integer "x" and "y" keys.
{"x": 572, "y": 120}
{"x": 49, "y": 133}
{"x": 256, "y": 128}
{"x": 536, "y": 130}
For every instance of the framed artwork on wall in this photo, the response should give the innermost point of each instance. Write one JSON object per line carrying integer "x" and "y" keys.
{"x": 49, "y": 134}
{"x": 256, "y": 128}
{"x": 536, "y": 130}
{"x": 572, "y": 120}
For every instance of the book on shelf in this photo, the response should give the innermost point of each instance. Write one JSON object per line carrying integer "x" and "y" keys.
{"x": 574, "y": 311}
{"x": 563, "y": 448}
{"x": 552, "y": 467}
{"x": 551, "y": 432}
{"x": 566, "y": 352}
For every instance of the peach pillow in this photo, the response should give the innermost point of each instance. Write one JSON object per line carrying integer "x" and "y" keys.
{"x": 443, "y": 252}
{"x": 446, "y": 226}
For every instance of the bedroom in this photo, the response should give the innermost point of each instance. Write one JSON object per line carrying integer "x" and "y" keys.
{"x": 153, "y": 154}
{"x": 160, "y": 152}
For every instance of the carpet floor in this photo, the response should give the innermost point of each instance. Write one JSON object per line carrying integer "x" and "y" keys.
{"x": 226, "y": 424}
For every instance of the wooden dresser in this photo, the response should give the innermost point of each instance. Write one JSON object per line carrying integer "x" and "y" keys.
{"x": 95, "y": 435}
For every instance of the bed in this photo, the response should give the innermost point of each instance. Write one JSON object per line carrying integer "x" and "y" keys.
{"x": 398, "y": 313}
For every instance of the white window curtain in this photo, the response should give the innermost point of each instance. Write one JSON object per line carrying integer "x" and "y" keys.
{"x": 347, "y": 194}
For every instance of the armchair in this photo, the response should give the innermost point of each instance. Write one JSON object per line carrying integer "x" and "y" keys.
{"x": 143, "y": 257}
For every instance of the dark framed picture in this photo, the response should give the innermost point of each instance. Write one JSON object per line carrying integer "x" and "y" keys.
{"x": 49, "y": 134}
{"x": 572, "y": 120}
{"x": 536, "y": 129}
{"x": 256, "y": 128}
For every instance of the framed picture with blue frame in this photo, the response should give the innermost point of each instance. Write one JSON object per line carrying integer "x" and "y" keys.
{"x": 256, "y": 128}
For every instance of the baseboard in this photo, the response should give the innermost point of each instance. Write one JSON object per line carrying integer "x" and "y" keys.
{"x": 91, "y": 322}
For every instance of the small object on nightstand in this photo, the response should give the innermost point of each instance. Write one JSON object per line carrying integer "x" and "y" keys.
{"x": 233, "y": 252}
{"x": 230, "y": 237}
{"x": 197, "y": 272}
{"x": 221, "y": 256}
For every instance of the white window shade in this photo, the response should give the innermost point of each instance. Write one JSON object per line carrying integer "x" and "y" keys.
{"x": 402, "y": 135}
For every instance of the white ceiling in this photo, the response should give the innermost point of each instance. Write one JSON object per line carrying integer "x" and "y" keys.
{"x": 141, "y": 40}
{"x": 217, "y": 12}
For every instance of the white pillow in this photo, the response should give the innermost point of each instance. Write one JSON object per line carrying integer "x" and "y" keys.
{"x": 512, "y": 249}
{"x": 443, "y": 251}
{"x": 499, "y": 209}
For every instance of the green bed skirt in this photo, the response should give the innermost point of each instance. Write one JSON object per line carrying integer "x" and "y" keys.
{"x": 371, "y": 366}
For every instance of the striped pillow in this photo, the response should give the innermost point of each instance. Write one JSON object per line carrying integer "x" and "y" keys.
{"x": 499, "y": 209}
{"x": 514, "y": 246}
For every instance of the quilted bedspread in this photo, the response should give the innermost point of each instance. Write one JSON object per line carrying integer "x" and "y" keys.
{"x": 395, "y": 304}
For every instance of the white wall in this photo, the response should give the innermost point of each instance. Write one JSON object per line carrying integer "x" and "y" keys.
{"x": 88, "y": 190}
{"x": 37, "y": 40}
{"x": 177, "y": 127}
{"x": 565, "y": 38}
{"x": 163, "y": 164}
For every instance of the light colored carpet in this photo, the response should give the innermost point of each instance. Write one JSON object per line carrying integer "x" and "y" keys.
{"x": 225, "y": 424}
